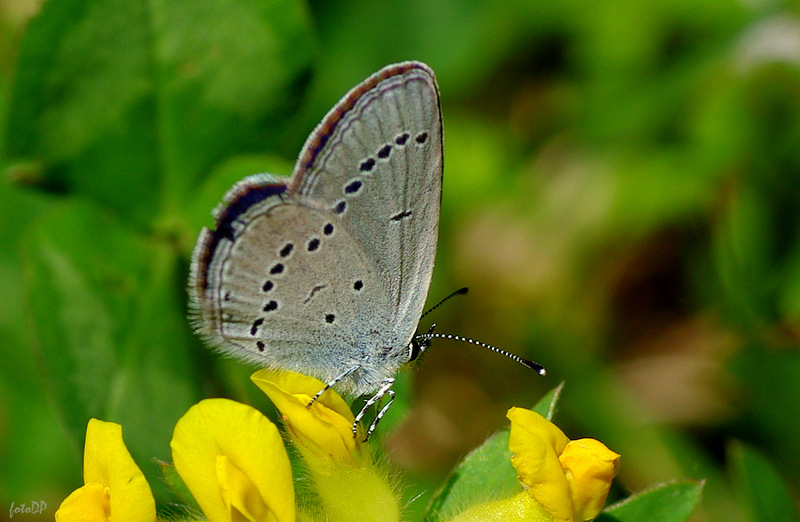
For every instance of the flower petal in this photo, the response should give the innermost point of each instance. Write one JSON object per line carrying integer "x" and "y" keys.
{"x": 325, "y": 429}
{"x": 106, "y": 461}
{"x": 232, "y": 459}
{"x": 589, "y": 467}
{"x": 536, "y": 444}
{"x": 348, "y": 483}
{"x": 89, "y": 503}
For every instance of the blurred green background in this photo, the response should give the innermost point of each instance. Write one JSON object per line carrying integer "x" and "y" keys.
{"x": 621, "y": 195}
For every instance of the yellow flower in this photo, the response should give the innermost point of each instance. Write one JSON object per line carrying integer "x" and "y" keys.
{"x": 232, "y": 459}
{"x": 520, "y": 508}
{"x": 114, "y": 487}
{"x": 324, "y": 429}
{"x": 349, "y": 484}
{"x": 570, "y": 479}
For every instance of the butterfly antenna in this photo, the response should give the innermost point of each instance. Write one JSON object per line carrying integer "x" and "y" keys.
{"x": 524, "y": 362}
{"x": 460, "y": 291}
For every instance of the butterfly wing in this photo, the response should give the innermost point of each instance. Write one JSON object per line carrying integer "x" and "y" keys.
{"x": 375, "y": 161}
{"x": 330, "y": 271}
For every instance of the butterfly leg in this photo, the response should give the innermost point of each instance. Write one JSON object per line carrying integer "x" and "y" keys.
{"x": 386, "y": 389}
{"x": 331, "y": 383}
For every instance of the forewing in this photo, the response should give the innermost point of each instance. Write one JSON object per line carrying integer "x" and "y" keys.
{"x": 375, "y": 162}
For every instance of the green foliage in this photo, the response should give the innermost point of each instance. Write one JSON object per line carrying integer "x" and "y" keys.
{"x": 620, "y": 196}
{"x": 485, "y": 474}
{"x": 670, "y": 502}
{"x": 122, "y": 109}
{"x": 761, "y": 490}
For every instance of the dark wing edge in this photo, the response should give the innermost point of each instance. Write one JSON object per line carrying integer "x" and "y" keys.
{"x": 204, "y": 313}
{"x": 319, "y": 136}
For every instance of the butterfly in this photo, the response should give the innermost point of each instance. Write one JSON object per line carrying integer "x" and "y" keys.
{"x": 326, "y": 273}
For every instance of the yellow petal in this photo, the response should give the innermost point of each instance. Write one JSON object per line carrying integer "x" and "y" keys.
{"x": 106, "y": 461}
{"x": 241, "y": 499}
{"x": 90, "y": 503}
{"x": 589, "y": 467}
{"x": 536, "y": 444}
{"x": 325, "y": 429}
{"x": 348, "y": 484}
{"x": 519, "y": 507}
{"x": 232, "y": 459}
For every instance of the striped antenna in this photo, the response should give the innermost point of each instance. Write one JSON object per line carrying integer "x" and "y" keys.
{"x": 524, "y": 362}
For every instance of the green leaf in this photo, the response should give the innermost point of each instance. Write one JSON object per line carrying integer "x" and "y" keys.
{"x": 760, "y": 488}
{"x": 546, "y": 407}
{"x": 108, "y": 320}
{"x": 668, "y": 502}
{"x": 486, "y": 473}
{"x": 132, "y": 102}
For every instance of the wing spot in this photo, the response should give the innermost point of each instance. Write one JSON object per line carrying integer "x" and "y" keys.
{"x": 421, "y": 138}
{"x": 277, "y": 268}
{"x": 286, "y": 250}
{"x": 327, "y": 229}
{"x": 329, "y": 318}
{"x": 358, "y": 285}
{"x": 340, "y": 207}
{"x": 353, "y": 187}
{"x": 401, "y": 215}
{"x": 385, "y": 151}
{"x": 258, "y": 322}
{"x": 268, "y": 285}
{"x": 260, "y": 345}
{"x": 313, "y": 292}
{"x": 402, "y": 139}
{"x": 313, "y": 244}
{"x": 367, "y": 165}
{"x": 271, "y": 306}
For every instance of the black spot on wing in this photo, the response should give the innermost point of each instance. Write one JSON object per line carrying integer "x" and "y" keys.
{"x": 353, "y": 187}
{"x": 401, "y": 215}
{"x": 367, "y": 165}
{"x": 258, "y": 322}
